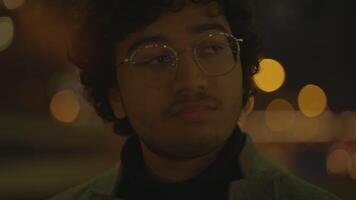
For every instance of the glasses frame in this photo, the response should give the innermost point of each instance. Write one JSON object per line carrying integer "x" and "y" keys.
{"x": 177, "y": 54}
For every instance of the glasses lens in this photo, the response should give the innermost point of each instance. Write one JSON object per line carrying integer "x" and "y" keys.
{"x": 153, "y": 64}
{"x": 217, "y": 55}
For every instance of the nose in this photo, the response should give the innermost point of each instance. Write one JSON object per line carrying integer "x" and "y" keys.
{"x": 189, "y": 75}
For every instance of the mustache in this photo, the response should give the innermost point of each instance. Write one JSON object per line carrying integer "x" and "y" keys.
{"x": 197, "y": 98}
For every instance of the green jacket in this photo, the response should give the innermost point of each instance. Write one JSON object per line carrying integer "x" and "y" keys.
{"x": 262, "y": 180}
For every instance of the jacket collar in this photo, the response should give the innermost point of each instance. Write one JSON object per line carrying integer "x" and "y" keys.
{"x": 258, "y": 175}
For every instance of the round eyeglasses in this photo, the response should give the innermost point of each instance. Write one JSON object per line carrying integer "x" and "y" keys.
{"x": 156, "y": 64}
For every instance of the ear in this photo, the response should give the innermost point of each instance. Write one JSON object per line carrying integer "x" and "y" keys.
{"x": 117, "y": 104}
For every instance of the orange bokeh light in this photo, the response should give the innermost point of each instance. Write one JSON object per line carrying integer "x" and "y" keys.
{"x": 280, "y": 115}
{"x": 65, "y": 106}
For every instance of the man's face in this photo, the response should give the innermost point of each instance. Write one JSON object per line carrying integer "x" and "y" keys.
{"x": 150, "y": 109}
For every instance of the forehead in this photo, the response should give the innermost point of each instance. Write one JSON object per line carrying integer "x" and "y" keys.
{"x": 180, "y": 25}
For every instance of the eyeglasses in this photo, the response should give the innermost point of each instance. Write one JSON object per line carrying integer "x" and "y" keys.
{"x": 156, "y": 64}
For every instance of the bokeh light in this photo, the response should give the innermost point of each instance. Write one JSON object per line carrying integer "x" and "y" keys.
{"x": 339, "y": 162}
{"x": 13, "y": 4}
{"x": 6, "y": 32}
{"x": 271, "y": 75}
{"x": 65, "y": 106}
{"x": 328, "y": 124}
{"x": 351, "y": 125}
{"x": 280, "y": 115}
{"x": 63, "y": 81}
{"x": 307, "y": 129}
{"x": 312, "y": 100}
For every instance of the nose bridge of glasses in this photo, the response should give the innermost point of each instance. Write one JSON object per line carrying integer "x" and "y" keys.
{"x": 182, "y": 51}
{"x": 188, "y": 67}
{"x": 189, "y": 58}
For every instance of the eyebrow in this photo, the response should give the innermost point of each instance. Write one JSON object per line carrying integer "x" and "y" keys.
{"x": 162, "y": 39}
{"x": 206, "y": 27}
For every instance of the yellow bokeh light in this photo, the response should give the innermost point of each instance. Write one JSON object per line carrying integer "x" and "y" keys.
{"x": 65, "y": 106}
{"x": 312, "y": 100}
{"x": 280, "y": 115}
{"x": 339, "y": 162}
{"x": 13, "y": 4}
{"x": 6, "y": 32}
{"x": 271, "y": 75}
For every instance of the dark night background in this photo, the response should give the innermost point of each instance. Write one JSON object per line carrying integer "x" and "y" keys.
{"x": 313, "y": 39}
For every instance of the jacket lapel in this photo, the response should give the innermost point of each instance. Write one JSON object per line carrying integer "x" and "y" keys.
{"x": 104, "y": 187}
{"x": 259, "y": 175}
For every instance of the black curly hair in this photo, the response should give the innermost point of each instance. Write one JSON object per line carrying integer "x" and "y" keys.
{"x": 106, "y": 22}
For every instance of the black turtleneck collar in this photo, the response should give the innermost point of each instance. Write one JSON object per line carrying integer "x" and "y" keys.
{"x": 212, "y": 183}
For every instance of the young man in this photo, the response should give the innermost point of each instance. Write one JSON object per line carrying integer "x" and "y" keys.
{"x": 174, "y": 76}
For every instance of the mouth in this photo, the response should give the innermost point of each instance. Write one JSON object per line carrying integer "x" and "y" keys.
{"x": 195, "y": 113}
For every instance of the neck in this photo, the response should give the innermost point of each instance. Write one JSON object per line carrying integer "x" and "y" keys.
{"x": 175, "y": 170}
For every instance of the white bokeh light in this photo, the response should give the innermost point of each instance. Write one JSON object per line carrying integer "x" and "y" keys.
{"x": 6, "y": 32}
{"x": 13, "y": 4}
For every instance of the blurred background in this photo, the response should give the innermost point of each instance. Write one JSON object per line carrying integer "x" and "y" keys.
{"x": 303, "y": 115}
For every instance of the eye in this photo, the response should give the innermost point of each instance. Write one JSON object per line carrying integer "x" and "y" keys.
{"x": 212, "y": 49}
{"x": 159, "y": 60}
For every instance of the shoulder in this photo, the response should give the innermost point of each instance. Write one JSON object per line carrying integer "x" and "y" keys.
{"x": 281, "y": 184}
{"x": 80, "y": 192}
{"x": 101, "y": 185}
{"x": 288, "y": 186}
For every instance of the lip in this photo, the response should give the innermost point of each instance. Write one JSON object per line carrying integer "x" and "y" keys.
{"x": 194, "y": 113}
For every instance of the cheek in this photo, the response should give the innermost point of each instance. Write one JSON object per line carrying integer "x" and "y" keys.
{"x": 233, "y": 91}
{"x": 144, "y": 108}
